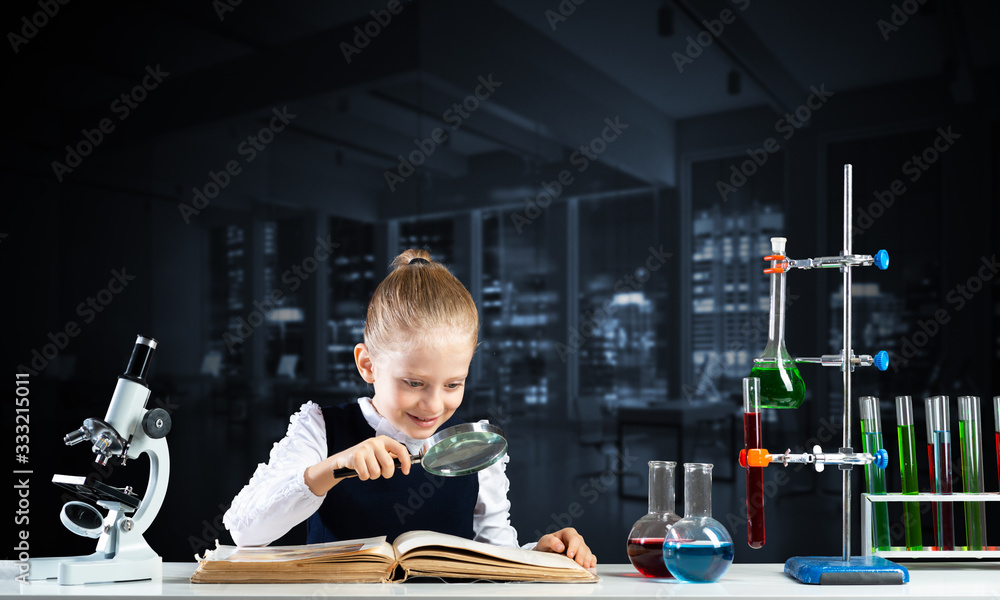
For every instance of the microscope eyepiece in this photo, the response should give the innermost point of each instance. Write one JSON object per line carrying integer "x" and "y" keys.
{"x": 142, "y": 356}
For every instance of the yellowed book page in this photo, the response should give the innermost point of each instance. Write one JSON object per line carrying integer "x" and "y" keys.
{"x": 320, "y": 552}
{"x": 413, "y": 540}
{"x": 417, "y": 567}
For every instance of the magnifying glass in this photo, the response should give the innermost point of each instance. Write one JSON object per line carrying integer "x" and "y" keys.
{"x": 457, "y": 450}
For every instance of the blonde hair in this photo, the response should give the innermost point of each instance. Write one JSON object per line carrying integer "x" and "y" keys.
{"x": 415, "y": 299}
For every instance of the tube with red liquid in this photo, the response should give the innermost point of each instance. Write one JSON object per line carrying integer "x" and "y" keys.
{"x": 996, "y": 417}
{"x": 939, "y": 456}
{"x": 752, "y": 438}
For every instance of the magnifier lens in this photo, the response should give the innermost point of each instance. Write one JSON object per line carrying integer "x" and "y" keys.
{"x": 458, "y": 450}
{"x": 464, "y": 453}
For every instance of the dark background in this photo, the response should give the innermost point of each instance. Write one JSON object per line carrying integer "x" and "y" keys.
{"x": 637, "y": 285}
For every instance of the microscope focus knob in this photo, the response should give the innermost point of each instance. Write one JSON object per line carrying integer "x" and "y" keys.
{"x": 156, "y": 423}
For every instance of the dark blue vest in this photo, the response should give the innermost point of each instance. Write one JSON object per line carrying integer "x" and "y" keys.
{"x": 360, "y": 509}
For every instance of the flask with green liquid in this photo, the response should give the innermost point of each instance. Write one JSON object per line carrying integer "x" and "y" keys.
{"x": 781, "y": 385}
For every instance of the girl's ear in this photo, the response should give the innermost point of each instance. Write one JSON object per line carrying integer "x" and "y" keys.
{"x": 363, "y": 359}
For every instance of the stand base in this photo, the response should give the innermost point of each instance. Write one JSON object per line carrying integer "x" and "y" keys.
{"x": 95, "y": 568}
{"x": 857, "y": 570}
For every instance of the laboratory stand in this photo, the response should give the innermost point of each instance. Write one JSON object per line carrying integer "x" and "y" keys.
{"x": 781, "y": 386}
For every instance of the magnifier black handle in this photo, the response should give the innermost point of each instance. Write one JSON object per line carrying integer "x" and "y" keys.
{"x": 349, "y": 472}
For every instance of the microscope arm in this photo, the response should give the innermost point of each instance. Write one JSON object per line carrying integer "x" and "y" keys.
{"x": 159, "y": 475}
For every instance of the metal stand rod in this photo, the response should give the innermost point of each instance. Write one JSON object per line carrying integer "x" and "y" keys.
{"x": 848, "y": 353}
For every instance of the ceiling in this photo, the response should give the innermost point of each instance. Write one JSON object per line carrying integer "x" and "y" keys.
{"x": 562, "y": 75}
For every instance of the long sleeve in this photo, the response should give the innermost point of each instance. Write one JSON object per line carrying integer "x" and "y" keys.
{"x": 277, "y": 498}
{"x": 491, "y": 522}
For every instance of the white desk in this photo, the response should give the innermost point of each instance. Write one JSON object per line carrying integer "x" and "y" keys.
{"x": 930, "y": 581}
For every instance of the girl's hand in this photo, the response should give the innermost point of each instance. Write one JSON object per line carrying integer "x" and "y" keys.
{"x": 567, "y": 541}
{"x": 371, "y": 459}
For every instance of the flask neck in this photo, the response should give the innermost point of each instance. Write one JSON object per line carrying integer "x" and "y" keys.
{"x": 776, "y": 324}
{"x": 697, "y": 490}
{"x": 661, "y": 486}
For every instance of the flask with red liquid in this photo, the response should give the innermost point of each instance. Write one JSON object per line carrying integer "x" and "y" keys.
{"x": 645, "y": 541}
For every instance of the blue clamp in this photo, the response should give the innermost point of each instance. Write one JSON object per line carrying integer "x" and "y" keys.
{"x": 881, "y": 458}
{"x": 881, "y": 360}
{"x": 882, "y": 260}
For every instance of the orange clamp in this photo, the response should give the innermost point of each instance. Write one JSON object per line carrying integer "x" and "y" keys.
{"x": 755, "y": 457}
{"x": 778, "y": 268}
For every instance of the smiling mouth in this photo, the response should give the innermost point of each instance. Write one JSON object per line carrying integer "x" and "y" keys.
{"x": 424, "y": 422}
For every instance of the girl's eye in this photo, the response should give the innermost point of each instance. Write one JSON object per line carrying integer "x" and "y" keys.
{"x": 413, "y": 384}
{"x": 453, "y": 386}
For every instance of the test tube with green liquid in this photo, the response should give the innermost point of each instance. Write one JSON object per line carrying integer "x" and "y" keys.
{"x": 871, "y": 440}
{"x": 908, "y": 471}
{"x": 970, "y": 439}
{"x": 939, "y": 455}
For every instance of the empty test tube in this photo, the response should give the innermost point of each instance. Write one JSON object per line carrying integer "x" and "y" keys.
{"x": 871, "y": 432}
{"x": 908, "y": 471}
{"x": 939, "y": 454}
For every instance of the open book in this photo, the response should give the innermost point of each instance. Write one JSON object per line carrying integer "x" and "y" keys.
{"x": 371, "y": 560}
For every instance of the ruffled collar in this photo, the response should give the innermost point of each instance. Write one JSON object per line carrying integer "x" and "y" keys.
{"x": 382, "y": 426}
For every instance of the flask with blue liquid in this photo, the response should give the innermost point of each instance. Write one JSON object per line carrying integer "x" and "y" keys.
{"x": 698, "y": 549}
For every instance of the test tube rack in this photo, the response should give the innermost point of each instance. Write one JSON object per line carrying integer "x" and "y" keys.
{"x": 868, "y": 547}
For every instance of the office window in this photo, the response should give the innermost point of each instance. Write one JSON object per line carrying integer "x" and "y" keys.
{"x": 288, "y": 264}
{"x": 523, "y": 294}
{"x": 352, "y": 282}
{"x": 622, "y": 331}
{"x": 437, "y": 236}
{"x": 228, "y": 290}
{"x": 729, "y": 293}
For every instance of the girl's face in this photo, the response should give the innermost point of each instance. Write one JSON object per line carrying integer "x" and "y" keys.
{"x": 418, "y": 390}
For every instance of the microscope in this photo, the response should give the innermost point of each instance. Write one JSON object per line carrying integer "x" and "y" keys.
{"x": 128, "y": 430}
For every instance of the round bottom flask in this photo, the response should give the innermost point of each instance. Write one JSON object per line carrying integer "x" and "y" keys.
{"x": 698, "y": 549}
{"x": 645, "y": 541}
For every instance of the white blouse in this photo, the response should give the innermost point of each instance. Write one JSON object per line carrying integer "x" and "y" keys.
{"x": 277, "y": 497}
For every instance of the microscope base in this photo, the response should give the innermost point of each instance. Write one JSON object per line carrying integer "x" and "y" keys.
{"x": 96, "y": 568}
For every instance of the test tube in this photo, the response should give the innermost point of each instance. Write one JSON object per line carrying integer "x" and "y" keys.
{"x": 753, "y": 438}
{"x": 970, "y": 438}
{"x": 939, "y": 453}
{"x": 871, "y": 432}
{"x": 996, "y": 418}
{"x": 908, "y": 471}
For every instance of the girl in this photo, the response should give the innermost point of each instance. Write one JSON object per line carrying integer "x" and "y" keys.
{"x": 420, "y": 334}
